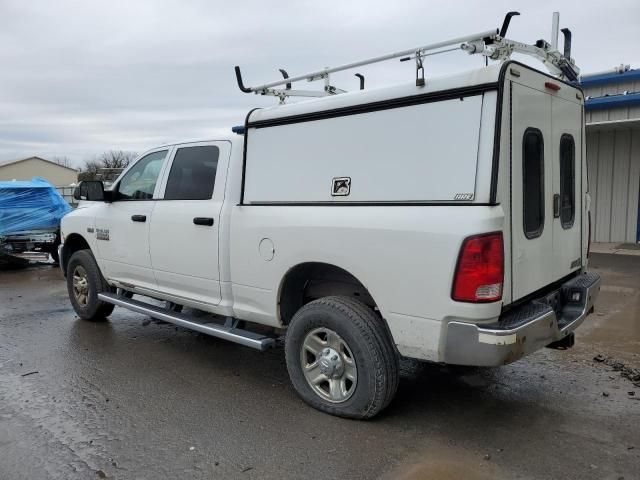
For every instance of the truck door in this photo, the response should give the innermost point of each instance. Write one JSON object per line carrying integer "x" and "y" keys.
{"x": 531, "y": 190}
{"x": 566, "y": 122}
{"x": 122, "y": 227}
{"x": 185, "y": 227}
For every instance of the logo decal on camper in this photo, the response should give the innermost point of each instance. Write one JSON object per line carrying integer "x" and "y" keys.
{"x": 463, "y": 196}
{"x": 341, "y": 186}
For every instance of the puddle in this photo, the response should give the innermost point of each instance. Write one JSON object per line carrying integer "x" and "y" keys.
{"x": 614, "y": 328}
{"x": 443, "y": 463}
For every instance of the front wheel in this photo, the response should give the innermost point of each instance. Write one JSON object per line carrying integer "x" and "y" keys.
{"x": 84, "y": 283}
{"x": 340, "y": 358}
{"x": 54, "y": 254}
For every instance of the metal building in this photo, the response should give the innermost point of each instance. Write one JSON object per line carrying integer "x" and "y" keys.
{"x": 612, "y": 110}
{"x": 26, "y": 168}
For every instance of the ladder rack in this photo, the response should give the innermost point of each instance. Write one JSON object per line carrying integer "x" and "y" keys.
{"x": 491, "y": 44}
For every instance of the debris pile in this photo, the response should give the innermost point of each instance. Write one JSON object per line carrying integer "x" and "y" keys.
{"x": 632, "y": 374}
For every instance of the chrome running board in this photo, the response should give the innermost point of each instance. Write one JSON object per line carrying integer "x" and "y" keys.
{"x": 226, "y": 332}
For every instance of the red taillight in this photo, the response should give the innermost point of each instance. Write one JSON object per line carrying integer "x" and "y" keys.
{"x": 480, "y": 271}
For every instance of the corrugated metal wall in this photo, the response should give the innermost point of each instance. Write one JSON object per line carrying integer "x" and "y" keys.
{"x": 613, "y": 159}
{"x": 625, "y": 113}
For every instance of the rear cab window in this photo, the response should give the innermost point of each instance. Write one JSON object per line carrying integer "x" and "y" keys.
{"x": 193, "y": 173}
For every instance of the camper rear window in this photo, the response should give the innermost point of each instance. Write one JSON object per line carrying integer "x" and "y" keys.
{"x": 533, "y": 182}
{"x": 567, "y": 181}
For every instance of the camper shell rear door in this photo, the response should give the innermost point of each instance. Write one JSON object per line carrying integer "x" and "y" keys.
{"x": 546, "y": 181}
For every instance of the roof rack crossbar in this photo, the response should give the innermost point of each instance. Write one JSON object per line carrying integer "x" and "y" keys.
{"x": 491, "y": 44}
{"x": 322, "y": 73}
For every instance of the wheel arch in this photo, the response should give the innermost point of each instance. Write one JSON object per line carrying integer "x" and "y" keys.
{"x": 72, "y": 243}
{"x": 308, "y": 281}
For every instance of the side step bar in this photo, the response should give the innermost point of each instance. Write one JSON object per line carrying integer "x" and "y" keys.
{"x": 226, "y": 332}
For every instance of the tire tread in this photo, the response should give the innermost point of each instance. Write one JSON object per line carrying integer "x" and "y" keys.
{"x": 99, "y": 310}
{"x": 375, "y": 335}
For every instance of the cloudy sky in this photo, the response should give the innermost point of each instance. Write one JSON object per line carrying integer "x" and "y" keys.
{"x": 81, "y": 77}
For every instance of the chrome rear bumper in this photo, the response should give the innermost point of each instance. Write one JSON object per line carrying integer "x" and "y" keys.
{"x": 524, "y": 329}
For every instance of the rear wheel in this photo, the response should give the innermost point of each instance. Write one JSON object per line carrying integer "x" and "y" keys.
{"x": 340, "y": 358}
{"x": 84, "y": 283}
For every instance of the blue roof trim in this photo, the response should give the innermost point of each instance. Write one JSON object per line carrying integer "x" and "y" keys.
{"x": 612, "y": 101}
{"x": 629, "y": 76}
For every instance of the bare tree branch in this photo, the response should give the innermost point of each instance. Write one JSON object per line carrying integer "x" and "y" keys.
{"x": 116, "y": 159}
{"x": 61, "y": 160}
{"x": 106, "y": 166}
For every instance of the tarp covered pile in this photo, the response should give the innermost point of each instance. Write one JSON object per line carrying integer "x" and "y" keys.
{"x": 30, "y": 205}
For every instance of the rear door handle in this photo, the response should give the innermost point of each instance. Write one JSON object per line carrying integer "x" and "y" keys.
{"x": 139, "y": 218}
{"x": 208, "y": 221}
{"x": 556, "y": 205}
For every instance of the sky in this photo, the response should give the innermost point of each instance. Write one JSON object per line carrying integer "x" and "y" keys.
{"x": 78, "y": 78}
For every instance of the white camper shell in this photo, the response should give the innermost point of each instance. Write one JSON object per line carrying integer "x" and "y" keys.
{"x": 457, "y": 142}
{"x": 444, "y": 220}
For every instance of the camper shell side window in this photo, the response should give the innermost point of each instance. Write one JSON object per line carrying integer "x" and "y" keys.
{"x": 533, "y": 182}
{"x": 567, "y": 181}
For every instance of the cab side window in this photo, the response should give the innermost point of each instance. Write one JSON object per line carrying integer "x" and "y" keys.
{"x": 193, "y": 173}
{"x": 140, "y": 181}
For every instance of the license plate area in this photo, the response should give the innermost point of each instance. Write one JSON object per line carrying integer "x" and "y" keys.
{"x": 555, "y": 301}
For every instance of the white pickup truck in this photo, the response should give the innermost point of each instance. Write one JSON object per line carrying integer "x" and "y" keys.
{"x": 443, "y": 220}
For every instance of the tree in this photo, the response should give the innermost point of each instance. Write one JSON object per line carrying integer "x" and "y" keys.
{"x": 61, "y": 160}
{"x": 116, "y": 159}
{"x": 106, "y": 166}
{"x": 90, "y": 170}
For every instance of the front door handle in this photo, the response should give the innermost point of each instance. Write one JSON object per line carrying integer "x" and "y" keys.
{"x": 556, "y": 206}
{"x": 139, "y": 218}
{"x": 208, "y": 221}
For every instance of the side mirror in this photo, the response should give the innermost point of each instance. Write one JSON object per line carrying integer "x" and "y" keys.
{"x": 90, "y": 190}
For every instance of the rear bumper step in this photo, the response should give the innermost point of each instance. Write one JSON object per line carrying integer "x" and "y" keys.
{"x": 237, "y": 335}
{"x": 525, "y": 329}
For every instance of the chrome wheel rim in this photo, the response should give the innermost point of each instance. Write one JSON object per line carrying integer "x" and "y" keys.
{"x": 81, "y": 286}
{"x": 329, "y": 365}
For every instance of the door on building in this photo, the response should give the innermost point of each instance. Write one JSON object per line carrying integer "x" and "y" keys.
{"x": 638, "y": 224}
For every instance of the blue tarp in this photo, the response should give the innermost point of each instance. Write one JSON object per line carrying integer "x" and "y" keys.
{"x": 30, "y": 205}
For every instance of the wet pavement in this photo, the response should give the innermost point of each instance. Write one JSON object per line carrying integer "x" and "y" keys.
{"x": 132, "y": 399}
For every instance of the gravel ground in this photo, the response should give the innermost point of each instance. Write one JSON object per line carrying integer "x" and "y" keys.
{"x": 130, "y": 398}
